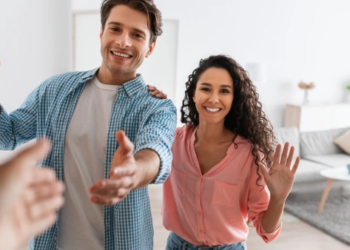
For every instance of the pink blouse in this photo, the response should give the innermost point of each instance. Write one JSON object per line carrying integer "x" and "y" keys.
{"x": 213, "y": 209}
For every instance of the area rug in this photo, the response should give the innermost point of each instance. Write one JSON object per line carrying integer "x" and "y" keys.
{"x": 333, "y": 220}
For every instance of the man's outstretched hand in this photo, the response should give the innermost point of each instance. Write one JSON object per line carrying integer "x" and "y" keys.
{"x": 125, "y": 175}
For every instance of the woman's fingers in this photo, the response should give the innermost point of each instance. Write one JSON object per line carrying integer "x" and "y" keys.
{"x": 277, "y": 154}
{"x": 290, "y": 157}
{"x": 155, "y": 92}
{"x": 284, "y": 154}
{"x": 296, "y": 165}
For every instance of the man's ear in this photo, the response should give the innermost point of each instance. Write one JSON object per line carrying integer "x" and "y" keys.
{"x": 150, "y": 50}
{"x": 101, "y": 32}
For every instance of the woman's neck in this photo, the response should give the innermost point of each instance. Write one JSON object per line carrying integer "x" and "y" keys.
{"x": 213, "y": 133}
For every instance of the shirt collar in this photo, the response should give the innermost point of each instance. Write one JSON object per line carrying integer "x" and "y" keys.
{"x": 134, "y": 86}
{"x": 88, "y": 75}
{"x": 131, "y": 87}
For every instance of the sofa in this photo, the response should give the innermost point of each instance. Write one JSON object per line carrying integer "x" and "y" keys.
{"x": 317, "y": 152}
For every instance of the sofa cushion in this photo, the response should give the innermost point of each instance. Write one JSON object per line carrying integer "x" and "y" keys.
{"x": 320, "y": 142}
{"x": 343, "y": 141}
{"x": 309, "y": 171}
{"x": 288, "y": 134}
{"x": 334, "y": 160}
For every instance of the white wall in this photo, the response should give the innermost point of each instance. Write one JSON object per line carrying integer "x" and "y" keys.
{"x": 293, "y": 39}
{"x": 35, "y": 43}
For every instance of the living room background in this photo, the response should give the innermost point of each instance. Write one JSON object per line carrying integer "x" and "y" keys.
{"x": 292, "y": 40}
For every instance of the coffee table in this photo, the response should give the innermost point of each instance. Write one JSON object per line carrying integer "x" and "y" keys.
{"x": 340, "y": 173}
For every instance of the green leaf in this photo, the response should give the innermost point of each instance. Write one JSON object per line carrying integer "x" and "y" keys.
{"x": 348, "y": 87}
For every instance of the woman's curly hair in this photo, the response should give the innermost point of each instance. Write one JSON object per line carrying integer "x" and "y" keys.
{"x": 246, "y": 117}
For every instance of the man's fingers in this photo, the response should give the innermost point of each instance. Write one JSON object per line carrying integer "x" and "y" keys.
{"x": 119, "y": 172}
{"x": 124, "y": 143}
{"x": 111, "y": 187}
{"x": 104, "y": 201}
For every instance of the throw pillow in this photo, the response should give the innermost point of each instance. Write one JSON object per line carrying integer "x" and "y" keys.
{"x": 343, "y": 141}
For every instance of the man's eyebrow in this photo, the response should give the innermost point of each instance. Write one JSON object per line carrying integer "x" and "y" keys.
{"x": 120, "y": 24}
{"x": 115, "y": 23}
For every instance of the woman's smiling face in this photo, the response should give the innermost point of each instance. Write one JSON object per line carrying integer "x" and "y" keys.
{"x": 214, "y": 95}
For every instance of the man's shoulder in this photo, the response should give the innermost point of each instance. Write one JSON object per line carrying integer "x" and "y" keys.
{"x": 155, "y": 103}
{"x": 68, "y": 77}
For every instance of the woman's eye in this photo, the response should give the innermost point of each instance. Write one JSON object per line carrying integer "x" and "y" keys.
{"x": 225, "y": 91}
{"x": 205, "y": 89}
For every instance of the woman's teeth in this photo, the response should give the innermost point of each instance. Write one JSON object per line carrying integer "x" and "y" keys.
{"x": 212, "y": 109}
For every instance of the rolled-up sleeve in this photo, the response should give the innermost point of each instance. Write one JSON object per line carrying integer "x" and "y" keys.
{"x": 258, "y": 202}
{"x": 19, "y": 126}
{"x": 157, "y": 134}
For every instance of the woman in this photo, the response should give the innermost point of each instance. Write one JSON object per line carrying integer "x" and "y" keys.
{"x": 224, "y": 172}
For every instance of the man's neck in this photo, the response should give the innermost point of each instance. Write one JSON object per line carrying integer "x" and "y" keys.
{"x": 105, "y": 76}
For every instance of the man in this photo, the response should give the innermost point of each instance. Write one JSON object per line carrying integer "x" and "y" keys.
{"x": 107, "y": 204}
{"x": 29, "y": 197}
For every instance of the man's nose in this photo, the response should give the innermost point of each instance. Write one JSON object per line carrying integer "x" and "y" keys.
{"x": 123, "y": 41}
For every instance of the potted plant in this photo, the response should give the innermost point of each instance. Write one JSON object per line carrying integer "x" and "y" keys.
{"x": 306, "y": 87}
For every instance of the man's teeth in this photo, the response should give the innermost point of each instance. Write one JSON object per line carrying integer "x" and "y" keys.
{"x": 212, "y": 109}
{"x": 120, "y": 54}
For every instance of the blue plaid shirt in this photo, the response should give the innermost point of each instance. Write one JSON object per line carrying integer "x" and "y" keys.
{"x": 149, "y": 123}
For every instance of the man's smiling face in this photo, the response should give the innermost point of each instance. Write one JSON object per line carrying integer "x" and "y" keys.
{"x": 125, "y": 40}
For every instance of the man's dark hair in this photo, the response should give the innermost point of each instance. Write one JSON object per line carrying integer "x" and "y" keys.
{"x": 147, "y": 7}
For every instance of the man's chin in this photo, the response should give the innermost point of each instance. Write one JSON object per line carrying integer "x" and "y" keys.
{"x": 118, "y": 70}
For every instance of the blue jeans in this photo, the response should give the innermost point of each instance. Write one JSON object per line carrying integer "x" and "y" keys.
{"x": 175, "y": 242}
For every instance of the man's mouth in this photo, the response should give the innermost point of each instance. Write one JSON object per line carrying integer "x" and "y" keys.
{"x": 121, "y": 54}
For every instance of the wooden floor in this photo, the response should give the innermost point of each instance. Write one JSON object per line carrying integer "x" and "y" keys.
{"x": 295, "y": 233}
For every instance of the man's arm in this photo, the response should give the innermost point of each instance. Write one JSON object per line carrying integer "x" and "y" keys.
{"x": 149, "y": 163}
{"x": 19, "y": 126}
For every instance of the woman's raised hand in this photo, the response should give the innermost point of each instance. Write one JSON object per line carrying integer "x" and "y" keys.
{"x": 280, "y": 178}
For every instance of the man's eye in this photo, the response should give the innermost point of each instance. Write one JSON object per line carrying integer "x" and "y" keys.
{"x": 114, "y": 29}
{"x": 138, "y": 35}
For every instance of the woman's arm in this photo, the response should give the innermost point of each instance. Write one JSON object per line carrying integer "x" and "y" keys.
{"x": 279, "y": 181}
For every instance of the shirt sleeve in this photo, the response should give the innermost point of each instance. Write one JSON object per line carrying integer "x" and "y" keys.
{"x": 19, "y": 126}
{"x": 258, "y": 202}
{"x": 157, "y": 134}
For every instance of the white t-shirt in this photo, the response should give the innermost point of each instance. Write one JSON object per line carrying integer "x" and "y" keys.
{"x": 81, "y": 222}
